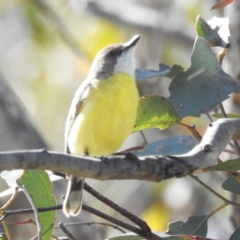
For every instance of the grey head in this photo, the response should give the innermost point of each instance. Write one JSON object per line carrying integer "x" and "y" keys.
{"x": 114, "y": 58}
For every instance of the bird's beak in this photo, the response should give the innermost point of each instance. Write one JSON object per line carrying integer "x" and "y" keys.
{"x": 132, "y": 42}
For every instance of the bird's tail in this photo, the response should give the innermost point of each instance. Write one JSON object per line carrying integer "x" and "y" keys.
{"x": 73, "y": 200}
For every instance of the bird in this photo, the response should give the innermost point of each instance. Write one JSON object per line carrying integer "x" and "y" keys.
{"x": 102, "y": 113}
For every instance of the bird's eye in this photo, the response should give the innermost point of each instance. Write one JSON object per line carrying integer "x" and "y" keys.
{"x": 111, "y": 54}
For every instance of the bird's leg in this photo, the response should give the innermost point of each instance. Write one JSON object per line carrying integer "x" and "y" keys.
{"x": 129, "y": 156}
{"x": 104, "y": 159}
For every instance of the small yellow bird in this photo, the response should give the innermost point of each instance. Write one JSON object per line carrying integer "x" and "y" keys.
{"x": 103, "y": 112}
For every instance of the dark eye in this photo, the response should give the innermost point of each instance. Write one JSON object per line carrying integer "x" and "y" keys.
{"x": 111, "y": 54}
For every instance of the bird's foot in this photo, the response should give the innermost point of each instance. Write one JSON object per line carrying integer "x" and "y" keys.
{"x": 129, "y": 156}
{"x": 104, "y": 159}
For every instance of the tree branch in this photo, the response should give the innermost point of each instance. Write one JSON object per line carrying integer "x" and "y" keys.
{"x": 150, "y": 168}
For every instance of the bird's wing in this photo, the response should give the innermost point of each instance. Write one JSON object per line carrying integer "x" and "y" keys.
{"x": 75, "y": 109}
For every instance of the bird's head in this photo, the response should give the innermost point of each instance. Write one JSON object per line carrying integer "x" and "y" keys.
{"x": 115, "y": 58}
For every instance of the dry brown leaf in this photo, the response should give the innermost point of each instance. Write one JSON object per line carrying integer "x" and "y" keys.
{"x": 222, "y": 4}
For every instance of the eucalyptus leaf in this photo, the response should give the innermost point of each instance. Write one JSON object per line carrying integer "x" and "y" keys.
{"x": 175, "y": 145}
{"x": 235, "y": 235}
{"x": 155, "y": 112}
{"x": 203, "y": 86}
{"x": 228, "y": 166}
{"x": 143, "y": 74}
{"x": 39, "y": 188}
{"x": 195, "y": 225}
{"x": 216, "y": 31}
{"x": 232, "y": 185}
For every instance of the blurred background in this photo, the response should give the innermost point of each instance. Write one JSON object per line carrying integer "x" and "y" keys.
{"x": 46, "y": 48}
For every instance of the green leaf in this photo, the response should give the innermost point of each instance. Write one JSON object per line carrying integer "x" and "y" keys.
{"x": 39, "y": 187}
{"x": 195, "y": 225}
{"x": 155, "y": 112}
{"x": 236, "y": 234}
{"x": 203, "y": 86}
{"x": 175, "y": 145}
{"x": 232, "y": 185}
{"x": 143, "y": 74}
{"x": 215, "y": 32}
{"x": 174, "y": 70}
{"x": 231, "y": 165}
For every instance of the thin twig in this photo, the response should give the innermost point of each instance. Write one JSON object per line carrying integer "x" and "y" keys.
{"x": 229, "y": 151}
{"x": 142, "y": 224}
{"x": 140, "y": 232}
{"x": 5, "y": 226}
{"x": 98, "y": 213}
{"x": 92, "y": 223}
{"x": 9, "y": 237}
{"x": 111, "y": 219}
{"x": 209, "y": 117}
{"x": 214, "y": 192}
{"x": 237, "y": 148}
{"x": 65, "y": 230}
{"x": 11, "y": 199}
{"x": 223, "y": 110}
{"x": 221, "y": 55}
{"x": 7, "y": 213}
{"x": 217, "y": 210}
{"x": 208, "y": 216}
{"x": 193, "y": 130}
{"x": 25, "y": 222}
{"x": 144, "y": 138}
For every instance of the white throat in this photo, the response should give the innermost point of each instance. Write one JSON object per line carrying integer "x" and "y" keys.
{"x": 126, "y": 63}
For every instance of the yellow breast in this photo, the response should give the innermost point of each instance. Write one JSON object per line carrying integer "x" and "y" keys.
{"x": 107, "y": 117}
